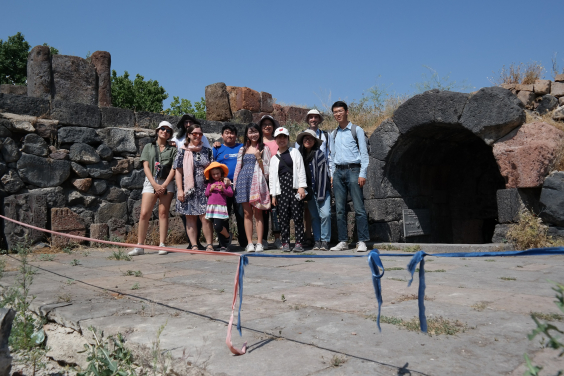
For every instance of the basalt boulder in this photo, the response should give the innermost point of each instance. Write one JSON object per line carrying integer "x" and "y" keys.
{"x": 43, "y": 172}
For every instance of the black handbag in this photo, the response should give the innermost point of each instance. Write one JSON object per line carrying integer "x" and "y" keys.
{"x": 309, "y": 191}
{"x": 161, "y": 171}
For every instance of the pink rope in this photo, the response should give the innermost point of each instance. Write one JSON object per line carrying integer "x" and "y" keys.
{"x": 228, "y": 339}
{"x": 230, "y": 326}
{"x": 153, "y": 247}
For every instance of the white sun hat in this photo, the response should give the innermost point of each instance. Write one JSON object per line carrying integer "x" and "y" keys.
{"x": 314, "y": 112}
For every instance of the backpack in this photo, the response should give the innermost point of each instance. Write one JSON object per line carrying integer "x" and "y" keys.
{"x": 353, "y": 132}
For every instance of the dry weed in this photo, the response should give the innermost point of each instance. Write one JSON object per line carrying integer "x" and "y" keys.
{"x": 368, "y": 112}
{"x": 405, "y": 297}
{"x": 480, "y": 306}
{"x": 533, "y": 117}
{"x": 521, "y": 73}
{"x": 529, "y": 232}
{"x": 153, "y": 237}
{"x": 435, "y": 325}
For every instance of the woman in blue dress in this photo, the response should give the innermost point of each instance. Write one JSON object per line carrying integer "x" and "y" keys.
{"x": 191, "y": 201}
{"x": 250, "y": 182}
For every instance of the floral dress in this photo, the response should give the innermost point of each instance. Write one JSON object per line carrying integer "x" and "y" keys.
{"x": 196, "y": 202}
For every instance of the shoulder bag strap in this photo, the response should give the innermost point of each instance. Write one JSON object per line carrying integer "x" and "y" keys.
{"x": 157, "y": 155}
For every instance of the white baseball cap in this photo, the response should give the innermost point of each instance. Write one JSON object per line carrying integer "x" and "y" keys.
{"x": 314, "y": 112}
{"x": 281, "y": 130}
{"x": 165, "y": 123}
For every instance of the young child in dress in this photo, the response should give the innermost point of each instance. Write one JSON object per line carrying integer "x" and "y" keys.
{"x": 216, "y": 211}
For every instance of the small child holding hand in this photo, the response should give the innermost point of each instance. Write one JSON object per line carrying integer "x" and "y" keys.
{"x": 216, "y": 211}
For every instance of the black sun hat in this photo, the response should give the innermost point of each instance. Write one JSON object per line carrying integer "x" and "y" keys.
{"x": 190, "y": 117}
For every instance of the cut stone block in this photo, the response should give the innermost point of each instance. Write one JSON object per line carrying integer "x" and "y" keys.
{"x": 66, "y": 221}
{"x": 26, "y": 208}
{"x": 74, "y": 80}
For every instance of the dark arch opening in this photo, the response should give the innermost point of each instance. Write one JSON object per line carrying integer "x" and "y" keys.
{"x": 451, "y": 173}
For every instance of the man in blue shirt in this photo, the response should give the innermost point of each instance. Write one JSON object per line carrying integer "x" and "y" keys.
{"x": 348, "y": 164}
{"x": 227, "y": 154}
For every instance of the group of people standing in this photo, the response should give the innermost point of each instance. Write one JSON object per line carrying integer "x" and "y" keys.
{"x": 264, "y": 178}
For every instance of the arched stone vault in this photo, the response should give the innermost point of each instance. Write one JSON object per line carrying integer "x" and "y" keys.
{"x": 435, "y": 154}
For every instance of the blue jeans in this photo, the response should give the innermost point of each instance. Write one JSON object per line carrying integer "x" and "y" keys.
{"x": 321, "y": 218}
{"x": 346, "y": 181}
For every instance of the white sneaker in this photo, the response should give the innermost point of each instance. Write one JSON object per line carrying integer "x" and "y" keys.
{"x": 250, "y": 247}
{"x": 259, "y": 248}
{"x": 137, "y": 251}
{"x": 342, "y": 246}
{"x": 162, "y": 252}
{"x": 265, "y": 245}
{"x": 361, "y": 247}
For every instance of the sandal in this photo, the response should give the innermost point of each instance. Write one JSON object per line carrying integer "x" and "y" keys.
{"x": 208, "y": 248}
{"x": 195, "y": 248}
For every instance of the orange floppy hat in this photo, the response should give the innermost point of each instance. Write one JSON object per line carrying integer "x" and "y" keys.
{"x": 215, "y": 165}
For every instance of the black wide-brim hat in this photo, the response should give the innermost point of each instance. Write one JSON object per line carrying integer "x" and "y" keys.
{"x": 190, "y": 117}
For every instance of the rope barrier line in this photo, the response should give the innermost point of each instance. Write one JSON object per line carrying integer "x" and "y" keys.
{"x": 373, "y": 258}
{"x": 129, "y": 245}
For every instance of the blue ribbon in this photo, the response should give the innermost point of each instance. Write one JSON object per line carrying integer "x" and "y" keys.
{"x": 242, "y": 264}
{"x": 375, "y": 263}
{"x": 419, "y": 259}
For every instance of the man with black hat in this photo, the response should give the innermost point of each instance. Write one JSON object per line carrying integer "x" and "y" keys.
{"x": 180, "y": 136}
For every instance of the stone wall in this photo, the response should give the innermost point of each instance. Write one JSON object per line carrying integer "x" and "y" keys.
{"x": 58, "y": 154}
{"x": 246, "y": 105}
{"x": 543, "y": 96}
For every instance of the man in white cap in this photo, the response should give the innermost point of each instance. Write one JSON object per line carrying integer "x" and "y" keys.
{"x": 314, "y": 119}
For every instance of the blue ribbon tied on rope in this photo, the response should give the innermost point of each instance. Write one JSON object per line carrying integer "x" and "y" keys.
{"x": 419, "y": 259}
{"x": 374, "y": 262}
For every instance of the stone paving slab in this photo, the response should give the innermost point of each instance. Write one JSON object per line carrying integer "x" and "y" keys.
{"x": 326, "y": 312}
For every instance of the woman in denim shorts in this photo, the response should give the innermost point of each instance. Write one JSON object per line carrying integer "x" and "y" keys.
{"x": 157, "y": 159}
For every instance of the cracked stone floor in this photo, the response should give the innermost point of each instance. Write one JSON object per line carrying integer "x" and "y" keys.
{"x": 299, "y": 315}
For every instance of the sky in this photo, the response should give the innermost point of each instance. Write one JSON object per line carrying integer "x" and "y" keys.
{"x": 302, "y": 52}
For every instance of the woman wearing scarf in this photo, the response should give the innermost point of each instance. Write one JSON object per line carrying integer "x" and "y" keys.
{"x": 250, "y": 182}
{"x": 191, "y": 201}
{"x": 317, "y": 174}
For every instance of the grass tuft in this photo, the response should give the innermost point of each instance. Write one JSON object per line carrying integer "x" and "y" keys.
{"x": 480, "y": 306}
{"x": 435, "y": 325}
{"x": 134, "y": 273}
{"x": 337, "y": 361}
{"x": 548, "y": 316}
{"x": 406, "y": 297}
{"x": 412, "y": 248}
{"x": 120, "y": 256}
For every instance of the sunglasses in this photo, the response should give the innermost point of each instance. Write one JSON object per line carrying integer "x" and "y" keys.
{"x": 167, "y": 130}
{"x": 197, "y": 134}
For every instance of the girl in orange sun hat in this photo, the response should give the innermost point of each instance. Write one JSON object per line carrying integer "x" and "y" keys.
{"x": 216, "y": 211}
